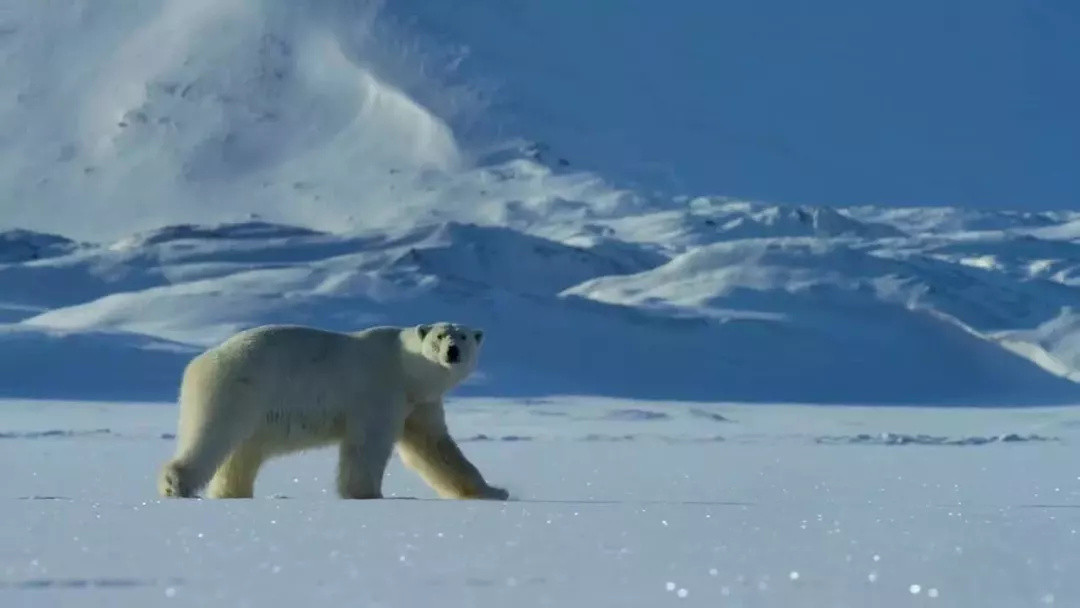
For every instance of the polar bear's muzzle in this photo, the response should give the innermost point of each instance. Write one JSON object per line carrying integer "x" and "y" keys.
{"x": 453, "y": 354}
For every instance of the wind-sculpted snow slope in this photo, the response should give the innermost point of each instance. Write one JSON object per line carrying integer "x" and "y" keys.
{"x": 1054, "y": 344}
{"x": 812, "y": 305}
{"x": 119, "y": 116}
{"x": 138, "y": 114}
{"x": 23, "y": 245}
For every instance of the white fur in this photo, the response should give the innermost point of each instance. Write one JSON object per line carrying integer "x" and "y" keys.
{"x": 277, "y": 389}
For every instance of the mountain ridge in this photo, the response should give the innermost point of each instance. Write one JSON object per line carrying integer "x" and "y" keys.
{"x": 608, "y": 306}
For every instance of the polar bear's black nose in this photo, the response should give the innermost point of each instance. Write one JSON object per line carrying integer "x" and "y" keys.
{"x": 452, "y": 354}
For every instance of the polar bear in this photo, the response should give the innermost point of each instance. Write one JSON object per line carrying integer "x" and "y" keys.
{"x": 276, "y": 389}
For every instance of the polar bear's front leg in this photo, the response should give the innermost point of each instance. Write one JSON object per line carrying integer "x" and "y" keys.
{"x": 427, "y": 447}
{"x": 365, "y": 452}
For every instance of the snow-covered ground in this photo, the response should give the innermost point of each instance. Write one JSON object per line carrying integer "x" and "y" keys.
{"x": 617, "y": 503}
{"x": 577, "y": 179}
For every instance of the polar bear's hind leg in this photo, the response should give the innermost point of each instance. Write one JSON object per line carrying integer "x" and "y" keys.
{"x": 209, "y": 431}
{"x": 235, "y": 478}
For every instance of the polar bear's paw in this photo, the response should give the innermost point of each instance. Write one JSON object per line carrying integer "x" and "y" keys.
{"x": 491, "y": 493}
{"x": 172, "y": 482}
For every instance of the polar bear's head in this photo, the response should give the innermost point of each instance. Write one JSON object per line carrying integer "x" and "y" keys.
{"x": 451, "y": 345}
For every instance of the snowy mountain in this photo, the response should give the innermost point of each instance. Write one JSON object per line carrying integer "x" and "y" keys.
{"x": 174, "y": 171}
{"x": 130, "y": 115}
{"x": 830, "y": 309}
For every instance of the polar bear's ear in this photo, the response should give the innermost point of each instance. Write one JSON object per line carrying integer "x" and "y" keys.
{"x": 478, "y": 335}
{"x": 422, "y": 330}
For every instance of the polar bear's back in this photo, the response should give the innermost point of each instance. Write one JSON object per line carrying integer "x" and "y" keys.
{"x": 288, "y": 366}
{"x": 292, "y": 345}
